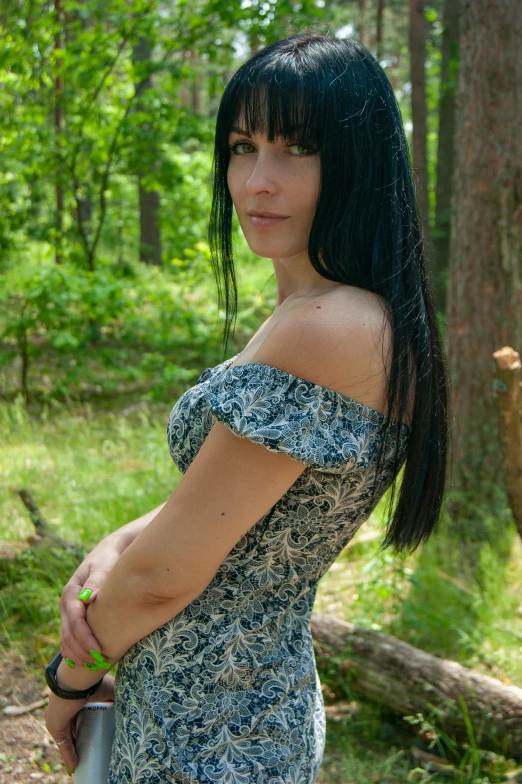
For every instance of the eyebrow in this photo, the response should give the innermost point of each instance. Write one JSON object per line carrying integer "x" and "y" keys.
{"x": 235, "y": 129}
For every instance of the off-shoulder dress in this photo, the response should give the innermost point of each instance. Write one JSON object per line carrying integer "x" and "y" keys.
{"x": 228, "y": 691}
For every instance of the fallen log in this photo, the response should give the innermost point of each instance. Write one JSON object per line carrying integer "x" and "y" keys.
{"x": 20, "y": 710}
{"x": 44, "y": 536}
{"x": 383, "y": 669}
{"x": 42, "y": 528}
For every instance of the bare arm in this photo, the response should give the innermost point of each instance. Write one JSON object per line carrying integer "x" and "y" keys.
{"x": 91, "y": 574}
{"x": 122, "y": 537}
{"x": 175, "y": 558}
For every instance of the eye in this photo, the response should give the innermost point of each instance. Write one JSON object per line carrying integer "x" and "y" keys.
{"x": 309, "y": 150}
{"x": 233, "y": 147}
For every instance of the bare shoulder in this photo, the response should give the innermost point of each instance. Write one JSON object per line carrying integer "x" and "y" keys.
{"x": 341, "y": 340}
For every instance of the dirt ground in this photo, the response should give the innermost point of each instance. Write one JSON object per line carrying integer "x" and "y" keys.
{"x": 27, "y": 751}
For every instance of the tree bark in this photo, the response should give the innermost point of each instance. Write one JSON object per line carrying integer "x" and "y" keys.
{"x": 362, "y": 23}
{"x": 82, "y": 190}
{"x": 485, "y": 284}
{"x": 58, "y": 98}
{"x": 196, "y": 85}
{"x": 418, "y": 113}
{"x": 149, "y": 200}
{"x": 378, "y": 30}
{"x": 445, "y": 151}
{"x": 406, "y": 680}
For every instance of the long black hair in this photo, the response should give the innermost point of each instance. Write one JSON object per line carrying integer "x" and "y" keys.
{"x": 330, "y": 94}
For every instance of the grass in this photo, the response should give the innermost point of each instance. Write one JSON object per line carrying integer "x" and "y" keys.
{"x": 91, "y": 470}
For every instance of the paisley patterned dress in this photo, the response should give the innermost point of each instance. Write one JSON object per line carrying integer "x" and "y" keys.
{"x": 227, "y": 691}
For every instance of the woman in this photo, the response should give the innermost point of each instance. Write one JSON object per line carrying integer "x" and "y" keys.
{"x": 206, "y": 601}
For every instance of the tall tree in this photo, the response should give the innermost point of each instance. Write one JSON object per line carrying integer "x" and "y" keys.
{"x": 363, "y": 9}
{"x": 446, "y": 140}
{"x": 149, "y": 198}
{"x": 485, "y": 284}
{"x": 378, "y": 30}
{"x": 58, "y": 108}
{"x": 197, "y": 82}
{"x": 417, "y": 35}
{"x": 76, "y": 25}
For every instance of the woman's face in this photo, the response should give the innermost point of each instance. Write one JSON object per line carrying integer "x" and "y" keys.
{"x": 276, "y": 177}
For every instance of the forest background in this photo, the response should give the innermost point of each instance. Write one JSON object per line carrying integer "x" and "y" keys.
{"x": 109, "y": 311}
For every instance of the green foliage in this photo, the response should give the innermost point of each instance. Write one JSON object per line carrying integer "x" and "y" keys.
{"x": 123, "y": 115}
{"x": 30, "y": 589}
{"x": 99, "y": 323}
{"x": 31, "y": 586}
{"x": 59, "y": 306}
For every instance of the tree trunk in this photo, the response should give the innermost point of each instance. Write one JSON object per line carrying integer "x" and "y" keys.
{"x": 446, "y": 138}
{"x": 197, "y": 88}
{"x": 418, "y": 112}
{"x": 485, "y": 285}
{"x": 23, "y": 350}
{"x": 362, "y": 22}
{"x": 82, "y": 189}
{"x": 149, "y": 200}
{"x": 378, "y": 30}
{"x": 58, "y": 92}
{"x": 383, "y": 669}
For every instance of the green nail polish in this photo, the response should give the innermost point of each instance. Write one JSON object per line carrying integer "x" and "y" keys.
{"x": 70, "y": 663}
{"x": 70, "y": 771}
{"x": 106, "y": 665}
{"x": 98, "y": 656}
{"x": 90, "y": 666}
{"x": 85, "y": 595}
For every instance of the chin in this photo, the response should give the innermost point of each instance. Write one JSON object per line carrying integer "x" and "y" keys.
{"x": 271, "y": 250}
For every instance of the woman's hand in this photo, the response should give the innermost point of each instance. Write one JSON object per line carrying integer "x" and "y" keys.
{"x": 61, "y": 717}
{"x": 76, "y": 637}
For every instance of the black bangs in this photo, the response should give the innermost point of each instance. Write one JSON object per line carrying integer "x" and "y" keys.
{"x": 278, "y": 105}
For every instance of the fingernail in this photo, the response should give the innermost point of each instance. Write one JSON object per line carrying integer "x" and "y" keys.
{"x": 70, "y": 663}
{"x": 85, "y": 595}
{"x": 90, "y": 666}
{"x": 70, "y": 771}
{"x": 101, "y": 661}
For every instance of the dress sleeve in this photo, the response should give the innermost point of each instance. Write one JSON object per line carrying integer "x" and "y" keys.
{"x": 287, "y": 414}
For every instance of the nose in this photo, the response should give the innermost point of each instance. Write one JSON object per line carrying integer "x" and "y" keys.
{"x": 264, "y": 175}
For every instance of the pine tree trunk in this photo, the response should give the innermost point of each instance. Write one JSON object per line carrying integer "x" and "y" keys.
{"x": 446, "y": 140}
{"x": 378, "y": 30}
{"x": 58, "y": 103}
{"x": 485, "y": 285}
{"x": 418, "y": 112}
{"x": 149, "y": 200}
{"x": 196, "y": 87}
{"x": 362, "y": 23}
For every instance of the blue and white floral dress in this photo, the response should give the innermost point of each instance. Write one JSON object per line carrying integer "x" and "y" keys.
{"x": 228, "y": 691}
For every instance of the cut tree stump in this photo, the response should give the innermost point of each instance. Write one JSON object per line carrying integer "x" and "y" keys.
{"x": 385, "y": 670}
{"x": 508, "y": 388}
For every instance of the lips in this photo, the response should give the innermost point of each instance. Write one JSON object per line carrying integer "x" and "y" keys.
{"x": 265, "y": 218}
{"x": 263, "y": 222}
{"x": 266, "y": 214}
